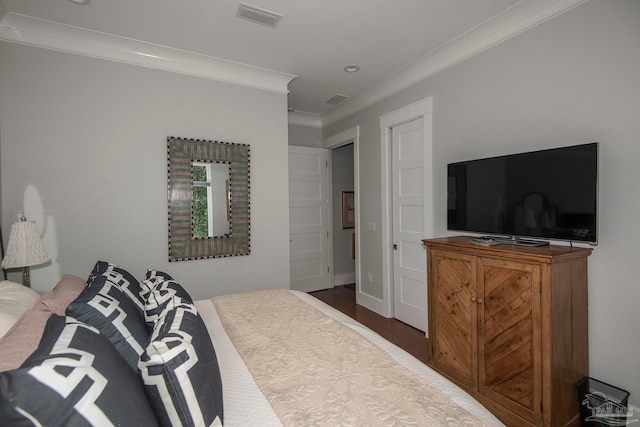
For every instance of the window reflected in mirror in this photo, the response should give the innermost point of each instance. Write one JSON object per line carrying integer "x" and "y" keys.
{"x": 210, "y": 199}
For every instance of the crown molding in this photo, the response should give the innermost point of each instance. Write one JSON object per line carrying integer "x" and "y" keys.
{"x": 52, "y": 35}
{"x": 300, "y": 118}
{"x": 522, "y": 16}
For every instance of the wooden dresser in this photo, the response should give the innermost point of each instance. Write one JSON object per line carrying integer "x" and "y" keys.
{"x": 509, "y": 324}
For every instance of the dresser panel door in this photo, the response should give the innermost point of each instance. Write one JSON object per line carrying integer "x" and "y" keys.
{"x": 510, "y": 340}
{"x": 455, "y": 310}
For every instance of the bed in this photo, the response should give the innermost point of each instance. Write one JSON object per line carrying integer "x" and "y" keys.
{"x": 112, "y": 350}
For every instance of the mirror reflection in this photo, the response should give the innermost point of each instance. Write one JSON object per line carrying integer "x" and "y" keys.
{"x": 210, "y": 199}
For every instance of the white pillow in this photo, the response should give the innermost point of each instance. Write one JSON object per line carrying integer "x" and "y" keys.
{"x": 15, "y": 299}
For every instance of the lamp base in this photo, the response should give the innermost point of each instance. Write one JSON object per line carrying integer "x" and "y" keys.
{"x": 26, "y": 279}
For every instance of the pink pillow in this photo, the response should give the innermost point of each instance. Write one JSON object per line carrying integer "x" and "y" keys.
{"x": 67, "y": 289}
{"x": 24, "y": 337}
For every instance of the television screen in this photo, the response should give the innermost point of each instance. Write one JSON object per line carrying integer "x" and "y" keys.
{"x": 549, "y": 194}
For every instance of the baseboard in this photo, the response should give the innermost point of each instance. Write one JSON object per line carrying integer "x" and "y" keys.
{"x": 372, "y": 303}
{"x": 344, "y": 279}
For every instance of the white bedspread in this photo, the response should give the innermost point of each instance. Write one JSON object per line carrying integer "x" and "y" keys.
{"x": 244, "y": 404}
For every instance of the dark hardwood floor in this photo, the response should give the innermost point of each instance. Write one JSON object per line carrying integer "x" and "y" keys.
{"x": 410, "y": 339}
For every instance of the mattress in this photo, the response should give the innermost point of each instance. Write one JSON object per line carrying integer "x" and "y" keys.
{"x": 244, "y": 403}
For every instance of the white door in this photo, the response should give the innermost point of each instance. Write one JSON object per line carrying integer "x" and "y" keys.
{"x": 308, "y": 219}
{"x": 409, "y": 260}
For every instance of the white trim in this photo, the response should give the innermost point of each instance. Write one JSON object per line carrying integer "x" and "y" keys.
{"x": 52, "y": 35}
{"x": 513, "y": 21}
{"x": 343, "y": 138}
{"x": 300, "y": 118}
{"x": 351, "y": 135}
{"x": 407, "y": 113}
{"x": 423, "y": 109}
{"x": 330, "y": 262}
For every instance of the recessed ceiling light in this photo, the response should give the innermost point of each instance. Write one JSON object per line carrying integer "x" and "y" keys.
{"x": 82, "y": 2}
{"x": 351, "y": 68}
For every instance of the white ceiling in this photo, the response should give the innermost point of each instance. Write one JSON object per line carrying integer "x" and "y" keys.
{"x": 395, "y": 42}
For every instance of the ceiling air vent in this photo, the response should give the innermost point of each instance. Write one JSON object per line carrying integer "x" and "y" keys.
{"x": 257, "y": 15}
{"x": 336, "y": 99}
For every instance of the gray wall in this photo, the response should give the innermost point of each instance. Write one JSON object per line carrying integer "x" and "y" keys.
{"x": 305, "y": 136}
{"x": 571, "y": 80}
{"x": 84, "y": 154}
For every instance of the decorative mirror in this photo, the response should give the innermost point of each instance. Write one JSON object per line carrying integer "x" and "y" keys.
{"x": 208, "y": 195}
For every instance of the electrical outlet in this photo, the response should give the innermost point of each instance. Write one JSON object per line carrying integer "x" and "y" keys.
{"x": 370, "y": 277}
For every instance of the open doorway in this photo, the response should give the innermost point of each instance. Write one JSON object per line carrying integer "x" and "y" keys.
{"x": 343, "y": 213}
{"x": 348, "y": 164}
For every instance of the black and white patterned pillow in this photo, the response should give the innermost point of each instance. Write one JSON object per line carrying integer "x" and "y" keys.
{"x": 103, "y": 305}
{"x": 129, "y": 285}
{"x": 179, "y": 367}
{"x": 159, "y": 280}
{"x": 74, "y": 378}
{"x": 164, "y": 292}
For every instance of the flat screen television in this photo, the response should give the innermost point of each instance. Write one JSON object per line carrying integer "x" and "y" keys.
{"x": 548, "y": 194}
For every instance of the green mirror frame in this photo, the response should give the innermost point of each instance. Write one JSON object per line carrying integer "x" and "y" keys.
{"x": 181, "y": 153}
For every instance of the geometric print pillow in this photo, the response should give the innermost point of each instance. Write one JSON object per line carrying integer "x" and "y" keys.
{"x": 129, "y": 285}
{"x": 163, "y": 293}
{"x": 103, "y": 305}
{"x": 179, "y": 368}
{"x": 74, "y": 378}
{"x": 155, "y": 278}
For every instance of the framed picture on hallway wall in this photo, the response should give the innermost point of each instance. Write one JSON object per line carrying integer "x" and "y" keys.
{"x": 348, "y": 210}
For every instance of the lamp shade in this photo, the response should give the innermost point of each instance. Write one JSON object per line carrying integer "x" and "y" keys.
{"x": 25, "y": 247}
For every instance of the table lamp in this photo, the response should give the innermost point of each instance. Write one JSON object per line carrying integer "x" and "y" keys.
{"x": 24, "y": 249}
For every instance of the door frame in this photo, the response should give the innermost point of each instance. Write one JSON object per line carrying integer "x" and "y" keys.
{"x": 421, "y": 109}
{"x": 349, "y": 136}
